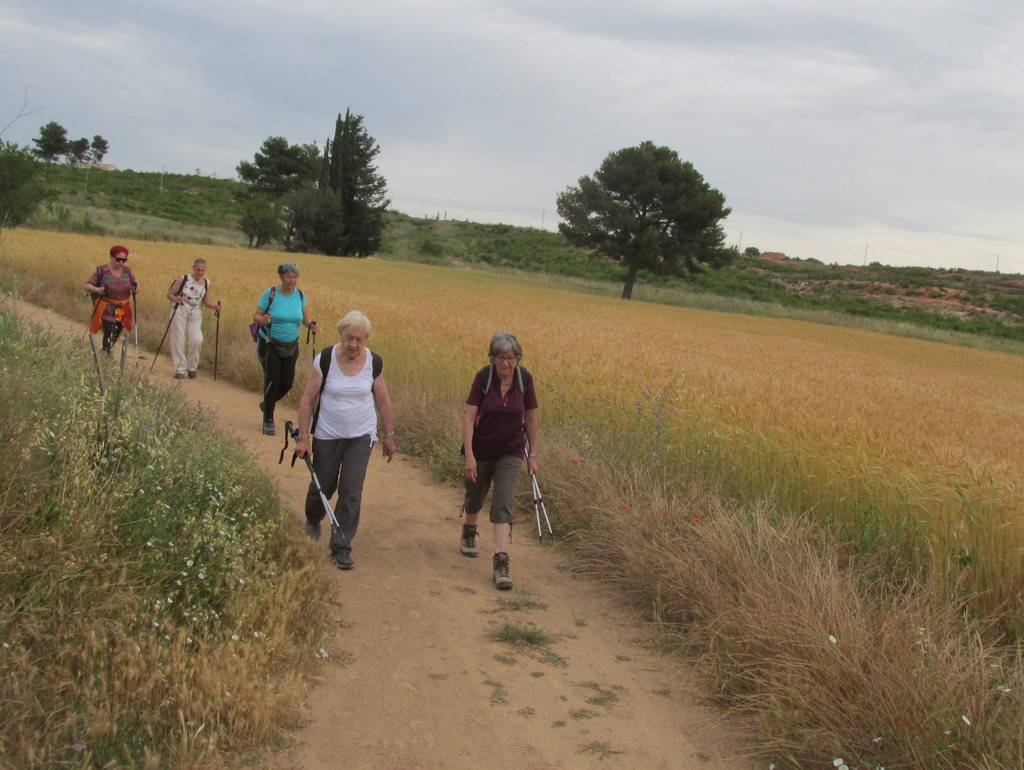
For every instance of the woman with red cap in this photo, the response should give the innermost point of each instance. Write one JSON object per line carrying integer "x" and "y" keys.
{"x": 113, "y": 286}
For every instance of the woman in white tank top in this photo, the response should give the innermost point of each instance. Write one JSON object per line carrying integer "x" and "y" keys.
{"x": 338, "y": 426}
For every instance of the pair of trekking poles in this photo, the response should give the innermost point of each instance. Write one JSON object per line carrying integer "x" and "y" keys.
{"x": 124, "y": 357}
{"x": 538, "y": 499}
{"x": 538, "y": 504}
{"x": 113, "y": 343}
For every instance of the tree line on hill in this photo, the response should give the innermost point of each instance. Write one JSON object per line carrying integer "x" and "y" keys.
{"x": 53, "y": 143}
{"x": 644, "y": 208}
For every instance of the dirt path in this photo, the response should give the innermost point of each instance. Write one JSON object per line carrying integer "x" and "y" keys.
{"x": 414, "y": 680}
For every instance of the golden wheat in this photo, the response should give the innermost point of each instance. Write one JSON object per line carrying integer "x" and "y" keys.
{"x": 933, "y": 428}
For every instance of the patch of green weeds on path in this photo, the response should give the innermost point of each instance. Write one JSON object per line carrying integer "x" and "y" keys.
{"x": 601, "y": 749}
{"x": 499, "y": 697}
{"x": 521, "y": 600}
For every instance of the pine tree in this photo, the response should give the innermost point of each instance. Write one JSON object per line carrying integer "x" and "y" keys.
{"x": 355, "y": 193}
{"x": 52, "y": 142}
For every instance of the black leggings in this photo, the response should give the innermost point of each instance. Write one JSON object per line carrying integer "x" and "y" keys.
{"x": 111, "y": 331}
{"x": 278, "y": 375}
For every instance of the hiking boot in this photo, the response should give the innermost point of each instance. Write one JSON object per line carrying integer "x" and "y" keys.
{"x": 268, "y": 428}
{"x": 343, "y": 560}
{"x": 192, "y": 374}
{"x": 313, "y": 529}
{"x": 467, "y": 543}
{"x": 501, "y": 577}
{"x": 178, "y": 375}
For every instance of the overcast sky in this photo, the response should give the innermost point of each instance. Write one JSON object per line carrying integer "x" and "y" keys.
{"x": 889, "y": 130}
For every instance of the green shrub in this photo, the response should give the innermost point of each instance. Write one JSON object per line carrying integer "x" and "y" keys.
{"x": 145, "y": 571}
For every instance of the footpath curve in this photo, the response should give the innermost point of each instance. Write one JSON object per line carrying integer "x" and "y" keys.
{"x": 413, "y": 678}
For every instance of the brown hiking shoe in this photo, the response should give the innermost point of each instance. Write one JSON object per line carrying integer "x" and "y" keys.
{"x": 501, "y": 577}
{"x": 467, "y": 543}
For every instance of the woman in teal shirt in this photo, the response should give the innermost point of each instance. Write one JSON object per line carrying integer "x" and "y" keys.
{"x": 280, "y": 312}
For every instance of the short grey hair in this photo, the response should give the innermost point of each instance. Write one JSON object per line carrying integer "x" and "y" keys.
{"x": 505, "y": 342}
{"x": 287, "y": 267}
{"x": 199, "y": 261}
{"x": 354, "y": 318}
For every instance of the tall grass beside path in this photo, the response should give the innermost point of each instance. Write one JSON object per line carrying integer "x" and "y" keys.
{"x": 154, "y": 610}
{"x": 825, "y": 650}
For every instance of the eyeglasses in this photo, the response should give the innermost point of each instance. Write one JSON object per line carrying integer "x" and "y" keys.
{"x": 506, "y": 359}
{"x": 120, "y": 259}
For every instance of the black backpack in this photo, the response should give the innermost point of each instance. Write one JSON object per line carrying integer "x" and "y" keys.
{"x": 376, "y": 367}
{"x": 181, "y": 286}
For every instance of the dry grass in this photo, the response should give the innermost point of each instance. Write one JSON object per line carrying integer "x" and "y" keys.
{"x": 155, "y": 611}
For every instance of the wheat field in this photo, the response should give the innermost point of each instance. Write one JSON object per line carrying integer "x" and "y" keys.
{"x": 824, "y": 418}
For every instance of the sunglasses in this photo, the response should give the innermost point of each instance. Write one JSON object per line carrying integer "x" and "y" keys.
{"x": 120, "y": 259}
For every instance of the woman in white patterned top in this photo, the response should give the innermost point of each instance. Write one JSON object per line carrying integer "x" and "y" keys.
{"x": 188, "y": 295}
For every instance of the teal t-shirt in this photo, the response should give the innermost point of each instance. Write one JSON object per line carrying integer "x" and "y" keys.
{"x": 287, "y": 312}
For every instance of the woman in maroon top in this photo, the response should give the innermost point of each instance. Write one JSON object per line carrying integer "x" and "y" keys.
{"x": 501, "y": 417}
{"x": 113, "y": 285}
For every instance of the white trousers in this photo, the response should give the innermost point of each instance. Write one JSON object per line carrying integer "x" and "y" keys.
{"x": 186, "y": 338}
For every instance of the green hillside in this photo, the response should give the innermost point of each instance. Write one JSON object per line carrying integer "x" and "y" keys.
{"x": 193, "y": 208}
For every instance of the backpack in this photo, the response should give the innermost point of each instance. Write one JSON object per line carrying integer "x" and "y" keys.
{"x": 254, "y": 327}
{"x": 181, "y": 286}
{"x": 490, "y": 376}
{"x": 376, "y": 367}
{"x": 102, "y": 270}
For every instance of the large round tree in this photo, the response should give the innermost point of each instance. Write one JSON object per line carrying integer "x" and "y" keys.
{"x": 646, "y": 209}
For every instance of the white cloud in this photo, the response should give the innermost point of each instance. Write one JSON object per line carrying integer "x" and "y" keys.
{"x": 826, "y": 126}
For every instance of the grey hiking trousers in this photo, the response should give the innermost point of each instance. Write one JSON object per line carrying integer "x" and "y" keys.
{"x": 340, "y": 465}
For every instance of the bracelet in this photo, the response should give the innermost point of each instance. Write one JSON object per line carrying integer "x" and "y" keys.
{"x": 304, "y": 435}
{"x": 389, "y": 433}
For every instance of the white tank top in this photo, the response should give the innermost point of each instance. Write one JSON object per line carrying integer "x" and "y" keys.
{"x": 346, "y": 403}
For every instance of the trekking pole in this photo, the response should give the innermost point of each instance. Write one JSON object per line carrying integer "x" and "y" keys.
{"x": 161, "y": 345}
{"x": 216, "y": 343}
{"x": 124, "y": 354}
{"x": 135, "y": 328}
{"x": 312, "y": 351}
{"x": 290, "y": 430}
{"x": 538, "y": 504}
{"x": 266, "y": 364}
{"x": 103, "y": 388}
{"x": 99, "y": 364}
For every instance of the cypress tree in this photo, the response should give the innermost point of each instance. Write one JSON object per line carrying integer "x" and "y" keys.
{"x": 355, "y": 194}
